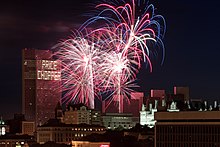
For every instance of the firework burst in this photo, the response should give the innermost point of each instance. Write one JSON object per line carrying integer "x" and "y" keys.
{"x": 134, "y": 28}
{"x": 109, "y": 56}
{"x": 80, "y": 59}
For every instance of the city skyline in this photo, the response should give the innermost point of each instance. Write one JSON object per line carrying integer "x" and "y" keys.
{"x": 188, "y": 61}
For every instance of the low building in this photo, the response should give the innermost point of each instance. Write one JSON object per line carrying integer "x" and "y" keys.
{"x": 28, "y": 128}
{"x": 10, "y": 140}
{"x": 116, "y": 120}
{"x": 15, "y": 124}
{"x": 77, "y": 114}
{"x": 65, "y": 133}
{"x": 90, "y": 144}
{"x": 147, "y": 115}
{"x": 187, "y": 128}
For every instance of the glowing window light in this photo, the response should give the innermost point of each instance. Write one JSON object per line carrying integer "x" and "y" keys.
{"x": 3, "y": 131}
{"x": 104, "y": 145}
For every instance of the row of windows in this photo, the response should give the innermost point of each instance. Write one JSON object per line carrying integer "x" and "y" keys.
{"x": 30, "y": 75}
{"x": 48, "y": 75}
{"x": 189, "y": 134}
{"x": 189, "y": 138}
{"x": 73, "y": 129}
{"x": 73, "y": 137}
{"x": 44, "y": 134}
{"x": 119, "y": 122}
{"x": 188, "y": 144}
{"x": 48, "y": 64}
{"x": 189, "y": 129}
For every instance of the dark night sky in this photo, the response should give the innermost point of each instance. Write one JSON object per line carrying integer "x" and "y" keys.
{"x": 191, "y": 42}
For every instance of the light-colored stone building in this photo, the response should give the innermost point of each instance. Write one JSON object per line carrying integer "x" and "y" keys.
{"x": 115, "y": 120}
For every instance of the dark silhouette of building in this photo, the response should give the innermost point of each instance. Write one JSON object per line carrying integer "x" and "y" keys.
{"x": 12, "y": 140}
{"x": 182, "y": 90}
{"x": 15, "y": 124}
{"x": 131, "y": 104}
{"x": 59, "y": 111}
{"x": 40, "y": 81}
{"x": 134, "y": 104}
{"x": 157, "y": 93}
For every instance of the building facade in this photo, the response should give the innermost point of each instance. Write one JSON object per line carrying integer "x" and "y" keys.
{"x": 182, "y": 90}
{"x": 66, "y": 133}
{"x": 187, "y": 129}
{"x": 96, "y": 117}
{"x": 116, "y": 120}
{"x": 28, "y": 128}
{"x": 10, "y": 140}
{"x": 147, "y": 115}
{"x": 40, "y": 82}
{"x": 77, "y": 114}
{"x": 90, "y": 144}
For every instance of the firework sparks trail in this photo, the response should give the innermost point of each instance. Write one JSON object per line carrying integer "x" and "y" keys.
{"x": 128, "y": 32}
{"x": 79, "y": 64}
{"x": 121, "y": 77}
{"x": 136, "y": 31}
{"x": 111, "y": 55}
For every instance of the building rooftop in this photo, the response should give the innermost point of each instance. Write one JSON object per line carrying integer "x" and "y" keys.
{"x": 13, "y": 136}
{"x": 188, "y": 115}
{"x": 57, "y": 123}
{"x": 76, "y": 106}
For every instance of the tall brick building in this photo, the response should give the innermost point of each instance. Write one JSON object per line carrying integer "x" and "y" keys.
{"x": 40, "y": 81}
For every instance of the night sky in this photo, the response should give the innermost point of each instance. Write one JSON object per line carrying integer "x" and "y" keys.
{"x": 191, "y": 43}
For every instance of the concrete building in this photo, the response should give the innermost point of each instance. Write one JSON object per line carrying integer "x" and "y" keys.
{"x": 65, "y": 133}
{"x": 40, "y": 82}
{"x": 187, "y": 128}
{"x": 28, "y": 128}
{"x": 77, "y": 114}
{"x": 16, "y": 140}
{"x": 116, "y": 120}
{"x": 96, "y": 117}
{"x": 147, "y": 115}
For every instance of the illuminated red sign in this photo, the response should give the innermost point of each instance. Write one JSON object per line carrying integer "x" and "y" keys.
{"x": 104, "y": 145}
